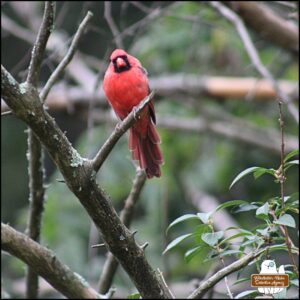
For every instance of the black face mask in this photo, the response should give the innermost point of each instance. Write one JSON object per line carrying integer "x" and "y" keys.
{"x": 122, "y": 68}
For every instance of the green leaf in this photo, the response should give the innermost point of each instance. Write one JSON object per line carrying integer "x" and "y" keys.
{"x": 282, "y": 247}
{"x": 241, "y": 280}
{"x": 291, "y": 154}
{"x": 245, "y": 293}
{"x": 204, "y": 217}
{"x": 199, "y": 230}
{"x": 182, "y": 219}
{"x": 242, "y": 174}
{"x": 229, "y": 252}
{"x": 230, "y": 203}
{"x": 190, "y": 254}
{"x": 294, "y": 282}
{"x": 286, "y": 220}
{"x": 175, "y": 242}
{"x": 212, "y": 238}
{"x": 134, "y": 296}
{"x": 262, "y": 212}
{"x": 262, "y": 171}
{"x": 234, "y": 237}
{"x": 244, "y": 207}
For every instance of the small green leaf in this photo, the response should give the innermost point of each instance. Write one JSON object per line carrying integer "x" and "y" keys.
{"x": 212, "y": 238}
{"x": 257, "y": 173}
{"x": 134, "y": 296}
{"x": 230, "y": 203}
{"x": 242, "y": 174}
{"x": 234, "y": 237}
{"x": 262, "y": 212}
{"x": 175, "y": 242}
{"x": 204, "y": 217}
{"x": 294, "y": 282}
{"x": 199, "y": 230}
{"x": 199, "y": 250}
{"x": 182, "y": 219}
{"x": 286, "y": 220}
{"x": 229, "y": 252}
{"x": 291, "y": 154}
{"x": 241, "y": 280}
{"x": 245, "y": 293}
{"x": 244, "y": 207}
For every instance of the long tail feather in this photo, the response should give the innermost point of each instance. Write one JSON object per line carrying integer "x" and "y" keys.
{"x": 146, "y": 150}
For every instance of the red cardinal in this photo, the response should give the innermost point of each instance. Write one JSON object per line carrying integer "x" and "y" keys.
{"x": 126, "y": 85}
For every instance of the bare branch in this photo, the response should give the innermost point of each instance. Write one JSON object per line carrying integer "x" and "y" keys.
{"x": 112, "y": 25}
{"x": 267, "y": 24}
{"x": 63, "y": 64}
{"x": 36, "y": 174}
{"x": 46, "y": 264}
{"x": 111, "y": 264}
{"x": 35, "y": 152}
{"x": 235, "y": 266}
{"x": 253, "y": 54}
{"x": 41, "y": 42}
{"x": 118, "y": 132}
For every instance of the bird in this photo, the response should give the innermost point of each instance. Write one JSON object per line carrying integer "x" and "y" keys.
{"x": 125, "y": 85}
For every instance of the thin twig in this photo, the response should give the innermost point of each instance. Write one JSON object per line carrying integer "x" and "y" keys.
{"x": 235, "y": 266}
{"x": 119, "y": 130}
{"x": 62, "y": 65}
{"x": 112, "y": 25}
{"x": 41, "y": 42}
{"x": 35, "y": 152}
{"x": 282, "y": 179}
{"x": 253, "y": 54}
{"x": 46, "y": 264}
{"x": 111, "y": 264}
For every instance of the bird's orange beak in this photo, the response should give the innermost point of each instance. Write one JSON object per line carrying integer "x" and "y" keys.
{"x": 120, "y": 62}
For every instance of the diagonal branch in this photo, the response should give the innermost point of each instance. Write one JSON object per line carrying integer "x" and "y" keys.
{"x": 41, "y": 42}
{"x": 46, "y": 264}
{"x": 111, "y": 264}
{"x": 65, "y": 61}
{"x": 79, "y": 176}
{"x": 118, "y": 132}
{"x": 213, "y": 280}
{"x": 253, "y": 54}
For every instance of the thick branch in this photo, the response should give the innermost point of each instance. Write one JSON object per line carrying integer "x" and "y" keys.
{"x": 111, "y": 264}
{"x": 80, "y": 178}
{"x": 65, "y": 61}
{"x": 41, "y": 42}
{"x": 118, "y": 132}
{"x": 267, "y": 24}
{"x": 46, "y": 264}
{"x": 213, "y": 280}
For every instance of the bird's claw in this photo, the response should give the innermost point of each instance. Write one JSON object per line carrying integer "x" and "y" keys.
{"x": 135, "y": 113}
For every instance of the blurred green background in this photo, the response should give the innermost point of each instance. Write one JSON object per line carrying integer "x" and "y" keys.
{"x": 187, "y": 37}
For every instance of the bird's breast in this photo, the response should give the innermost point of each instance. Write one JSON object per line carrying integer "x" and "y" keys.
{"x": 125, "y": 90}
